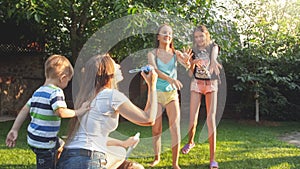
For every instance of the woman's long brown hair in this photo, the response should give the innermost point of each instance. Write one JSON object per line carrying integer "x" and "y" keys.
{"x": 96, "y": 74}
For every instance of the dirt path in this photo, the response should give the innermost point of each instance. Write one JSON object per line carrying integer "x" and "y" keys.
{"x": 6, "y": 118}
{"x": 292, "y": 138}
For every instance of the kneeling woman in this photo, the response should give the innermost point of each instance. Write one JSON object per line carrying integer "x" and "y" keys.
{"x": 88, "y": 144}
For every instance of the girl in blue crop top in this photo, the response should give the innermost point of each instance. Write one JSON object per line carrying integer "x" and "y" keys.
{"x": 164, "y": 60}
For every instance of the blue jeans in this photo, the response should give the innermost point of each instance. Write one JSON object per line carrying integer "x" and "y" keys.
{"x": 47, "y": 158}
{"x": 81, "y": 159}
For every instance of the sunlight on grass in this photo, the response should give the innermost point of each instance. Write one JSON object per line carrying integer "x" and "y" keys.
{"x": 17, "y": 158}
{"x": 239, "y": 146}
{"x": 284, "y": 165}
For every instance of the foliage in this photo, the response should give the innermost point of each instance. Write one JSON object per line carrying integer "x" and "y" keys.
{"x": 16, "y": 22}
{"x": 239, "y": 145}
{"x": 66, "y": 25}
{"x": 266, "y": 65}
{"x": 259, "y": 48}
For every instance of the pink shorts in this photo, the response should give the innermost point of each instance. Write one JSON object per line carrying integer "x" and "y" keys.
{"x": 204, "y": 86}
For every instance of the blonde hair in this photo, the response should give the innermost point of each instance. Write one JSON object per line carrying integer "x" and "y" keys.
{"x": 57, "y": 65}
{"x": 202, "y": 28}
{"x": 97, "y": 72}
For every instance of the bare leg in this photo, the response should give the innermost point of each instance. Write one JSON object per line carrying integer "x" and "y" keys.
{"x": 173, "y": 112}
{"x": 156, "y": 136}
{"x": 211, "y": 106}
{"x": 195, "y": 103}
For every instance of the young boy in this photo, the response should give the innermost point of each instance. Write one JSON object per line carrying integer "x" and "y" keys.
{"x": 46, "y": 107}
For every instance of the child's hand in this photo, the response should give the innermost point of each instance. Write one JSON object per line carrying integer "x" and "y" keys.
{"x": 176, "y": 84}
{"x": 84, "y": 108}
{"x": 185, "y": 57}
{"x": 215, "y": 66}
{"x": 11, "y": 138}
{"x": 187, "y": 53}
{"x": 131, "y": 141}
{"x": 199, "y": 62}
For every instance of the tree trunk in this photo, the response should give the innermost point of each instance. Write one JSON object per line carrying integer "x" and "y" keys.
{"x": 256, "y": 107}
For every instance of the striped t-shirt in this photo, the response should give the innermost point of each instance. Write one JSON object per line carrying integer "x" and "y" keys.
{"x": 45, "y": 124}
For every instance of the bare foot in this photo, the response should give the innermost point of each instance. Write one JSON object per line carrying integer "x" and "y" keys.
{"x": 137, "y": 166}
{"x": 154, "y": 163}
{"x": 176, "y": 167}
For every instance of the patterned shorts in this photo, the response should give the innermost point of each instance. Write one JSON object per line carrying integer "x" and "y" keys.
{"x": 204, "y": 86}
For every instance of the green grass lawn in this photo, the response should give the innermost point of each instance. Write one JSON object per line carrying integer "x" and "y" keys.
{"x": 239, "y": 145}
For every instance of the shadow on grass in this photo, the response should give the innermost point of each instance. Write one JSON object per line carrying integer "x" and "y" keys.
{"x": 204, "y": 166}
{"x": 274, "y": 163}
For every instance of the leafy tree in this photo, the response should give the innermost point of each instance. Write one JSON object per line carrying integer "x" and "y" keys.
{"x": 263, "y": 63}
{"x": 66, "y": 25}
{"x": 265, "y": 67}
